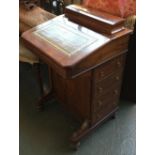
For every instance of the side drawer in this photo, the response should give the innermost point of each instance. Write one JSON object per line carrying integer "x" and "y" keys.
{"x": 105, "y": 85}
{"x": 109, "y": 98}
{"x": 105, "y": 104}
{"x": 108, "y": 68}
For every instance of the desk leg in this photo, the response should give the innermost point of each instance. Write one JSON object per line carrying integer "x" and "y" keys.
{"x": 43, "y": 100}
{"x": 44, "y": 96}
{"x": 39, "y": 78}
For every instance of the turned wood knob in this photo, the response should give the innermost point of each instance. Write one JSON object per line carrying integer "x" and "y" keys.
{"x": 102, "y": 74}
{"x": 117, "y": 78}
{"x": 115, "y": 103}
{"x": 118, "y": 63}
{"x": 116, "y": 92}
{"x": 100, "y": 103}
{"x": 100, "y": 89}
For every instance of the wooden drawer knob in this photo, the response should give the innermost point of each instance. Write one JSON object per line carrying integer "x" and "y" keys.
{"x": 117, "y": 78}
{"x": 100, "y": 103}
{"x": 116, "y": 92}
{"x": 102, "y": 74}
{"x": 115, "y": 103}
{"x": 100, "y": 89}
{"x": 118, "y": 63}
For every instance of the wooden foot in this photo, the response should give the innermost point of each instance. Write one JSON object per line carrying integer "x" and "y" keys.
{"x": 76, "y": 136}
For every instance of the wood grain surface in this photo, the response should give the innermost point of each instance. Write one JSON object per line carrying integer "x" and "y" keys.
{"x": 87, "y": 82}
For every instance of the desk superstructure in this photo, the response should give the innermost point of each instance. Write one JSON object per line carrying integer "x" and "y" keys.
{"x": 87, "y": 65}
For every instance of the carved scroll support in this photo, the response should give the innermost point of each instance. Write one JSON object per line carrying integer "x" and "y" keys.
{"x": 77, "y": 135}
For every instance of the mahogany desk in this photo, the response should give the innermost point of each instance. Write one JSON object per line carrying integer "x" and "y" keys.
{"x": 86, "y": 66}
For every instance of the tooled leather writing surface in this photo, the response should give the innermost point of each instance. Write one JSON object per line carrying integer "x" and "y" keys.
{"x": 70, "y": 42}
{"x": 66, "y": 60}
{"x": 94, "y": 41}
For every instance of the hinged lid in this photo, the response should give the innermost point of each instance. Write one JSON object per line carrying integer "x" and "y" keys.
{"x": 98, "y": 21}
{"x": 64, "y": 45}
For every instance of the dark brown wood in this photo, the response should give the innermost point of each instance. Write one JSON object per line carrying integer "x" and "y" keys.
{"x": 44, "y": 96}
{"x": 74, "y": 94}
{"x": 75, "y": 1}
{"x": 87, "y": 82}
{"x": 39, "y": 78}
{"x": 108, "y": 68}
{"x": 96, "y": 20}
{"x": 43, "y": 99}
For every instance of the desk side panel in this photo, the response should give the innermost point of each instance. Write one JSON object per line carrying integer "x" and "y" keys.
{"x": 74, "y": 94}
{"x": 79, "y": 96}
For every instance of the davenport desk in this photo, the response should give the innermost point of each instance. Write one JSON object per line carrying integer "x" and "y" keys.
{"x": 86, "y": 51}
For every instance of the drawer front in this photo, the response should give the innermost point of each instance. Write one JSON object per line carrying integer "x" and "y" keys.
{"x": 103, "y": 86}
{"x": 108, "y": 68}
{"x": 107, "y": 80}
{"x": 109, "y": 98}
{"x": 106, "y": 103}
